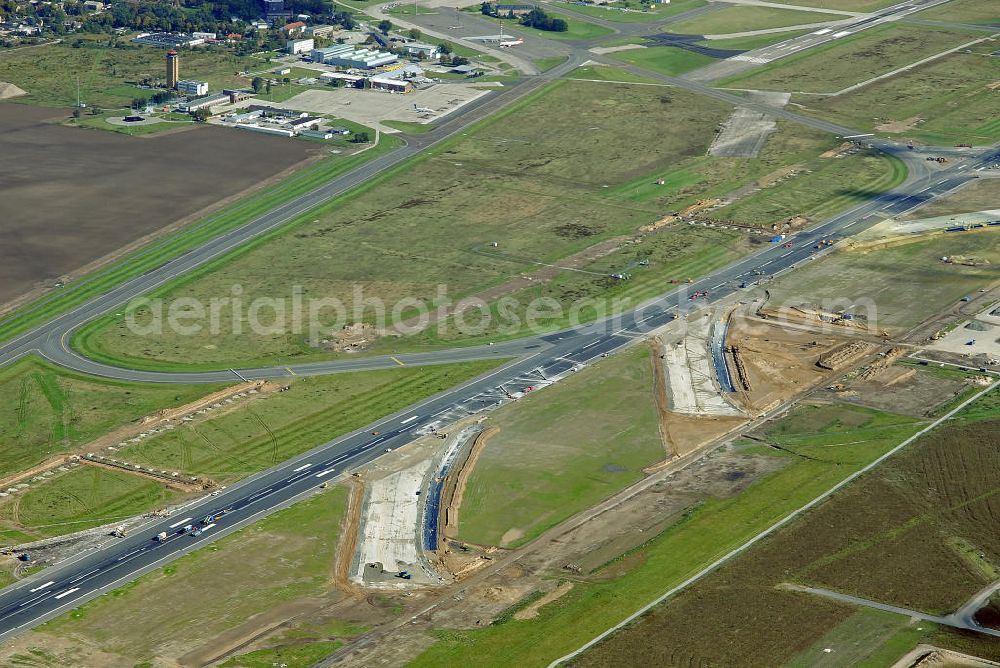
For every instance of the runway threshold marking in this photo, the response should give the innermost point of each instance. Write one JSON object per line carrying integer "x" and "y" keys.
{"x": 396, "y": 360}
{"x": 301, "y": 468}
{"x": 410, "y": 419}
{"x": 177, "y": 524}
{"x": 41, "y": 587}
{"x": 67, "y": 592}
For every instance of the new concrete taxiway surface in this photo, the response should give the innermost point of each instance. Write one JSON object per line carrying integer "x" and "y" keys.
{"x": 119, "y": 560}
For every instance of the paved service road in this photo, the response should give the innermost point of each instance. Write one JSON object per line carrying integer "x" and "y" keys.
{"x": 767, "y": 262}
{"x": 32, "y": 601}
{"x": 552, "y": 356}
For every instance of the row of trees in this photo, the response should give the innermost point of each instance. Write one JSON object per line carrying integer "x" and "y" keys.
{"x": 536, "y": 18}
{"x": 218, "y": 16}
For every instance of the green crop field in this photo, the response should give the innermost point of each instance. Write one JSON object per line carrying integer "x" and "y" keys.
{"x": 215, "y": 589}
{"x": 845, "y": 62}
{"x": 745, "y": 19}
{"x": 49, "y": 73}
{"x": 50, "y": 410}
{"x": 905, "y": 284}
{"x": 563, "y": 450}
{"x": 667, "y": 60}
{"x": 264, "y": 432}
{"x": 950, "y": 100}
{"x": 640, "y": 14}
{"x": 916, "y": 532}
{"x": 82, "y": 498}
{"x": 841, "y": 440}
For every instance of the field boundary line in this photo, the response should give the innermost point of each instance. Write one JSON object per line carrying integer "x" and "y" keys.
{"x": 906, "y": 68}
{"x": 771, "y": 529}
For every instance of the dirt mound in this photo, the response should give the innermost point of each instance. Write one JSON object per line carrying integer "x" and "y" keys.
{"x": 9, "y": 90}
{"x": 977, "y": 326}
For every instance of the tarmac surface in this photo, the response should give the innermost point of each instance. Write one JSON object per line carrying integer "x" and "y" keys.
{"x": 68, "y": 584}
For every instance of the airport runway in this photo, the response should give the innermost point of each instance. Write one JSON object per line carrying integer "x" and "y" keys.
{"x": 66, "y": 585}
{"x": 766, "y": 54}
{"x": 119, "y": 560}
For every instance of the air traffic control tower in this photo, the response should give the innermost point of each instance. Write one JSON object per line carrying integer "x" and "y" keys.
{"x": 173, "y": 69}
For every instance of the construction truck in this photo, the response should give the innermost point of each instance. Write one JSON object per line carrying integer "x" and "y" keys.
{"x": 212, "y": 517}
{"x": 161, "y": 537}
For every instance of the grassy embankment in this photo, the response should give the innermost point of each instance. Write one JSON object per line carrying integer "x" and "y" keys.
{"x": 823, "y": 446}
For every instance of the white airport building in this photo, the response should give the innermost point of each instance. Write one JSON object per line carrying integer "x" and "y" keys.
{"x": 345, "y": 55}
{"x": 297, "y": 46}
{"x": 189, "y": 87}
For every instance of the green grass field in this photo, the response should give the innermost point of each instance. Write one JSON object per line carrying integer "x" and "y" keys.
{"x": 842, "y": 63}
{"x": 744, "y": 19}
{"x": 707, "y": 531}
{"x": 821, "y": 189}
{"x": 279, "y": 559}
{"x": 667, "y": 60}
{"x": 915, "y": 532}
{"x": 100, "y": 123}
{"x": 49, "y": 73}
{"x": 576, "y": 29}
{"x": 570, "y": 180}
{"x": 550, "y": 202}
{"x": 946, "y": 101}
{"x": 905, "y": 284}
{"x": 264, "y": 432}
{"x": 963, "y": 11}
{"x": 842, "y": 5}
{"x": 647, "y": 14}
{"x": 289, "y": 656}
{"x": 563, "y": 450}
{"x": 49, "y": 410}
{"x": 82, "y": 498}
{"x": 607, "y": 73}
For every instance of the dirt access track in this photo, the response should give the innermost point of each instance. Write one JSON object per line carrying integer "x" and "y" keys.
{"x": 72, "y": 198}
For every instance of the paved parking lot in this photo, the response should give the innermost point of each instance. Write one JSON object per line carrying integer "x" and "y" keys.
{"x": 369, "y": 107}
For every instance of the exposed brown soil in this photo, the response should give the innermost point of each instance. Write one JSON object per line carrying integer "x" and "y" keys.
{"x": 779, "y": 359}
{"x": 349, "y": 535}
{"x": 179, "y": 485}
{"x": 532, "y": 610}
{"x": 689, "y": 433}
{"x": 656, "y": 349}
{"x": 74, "y": 199}
{"x": 453, "y": 502}
{"x": 132, "y": 429}
{"x": 904, "y": 125}
{"x": 928, "y": 656}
